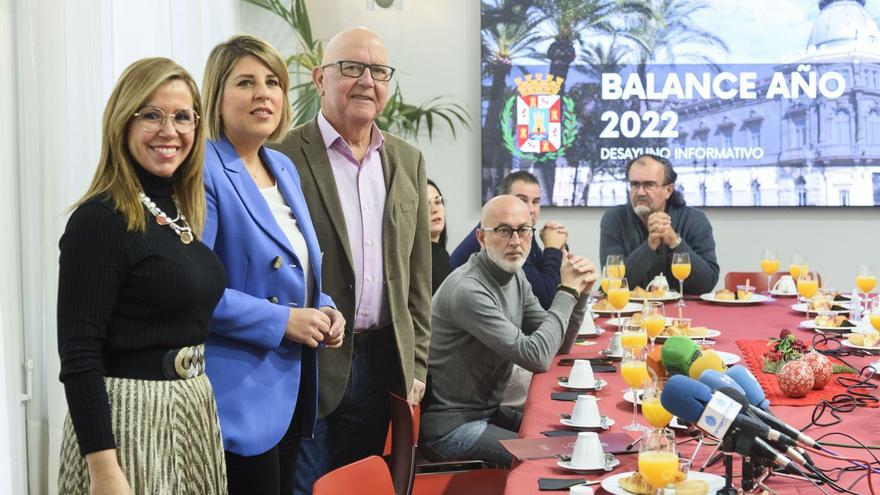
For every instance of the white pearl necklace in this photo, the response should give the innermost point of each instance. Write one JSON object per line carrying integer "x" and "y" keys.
{"x": 183, "y": 230}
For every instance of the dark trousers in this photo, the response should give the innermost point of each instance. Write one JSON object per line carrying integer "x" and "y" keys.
{"x": 359, "y": 425}
{"x": 269, "y": 473}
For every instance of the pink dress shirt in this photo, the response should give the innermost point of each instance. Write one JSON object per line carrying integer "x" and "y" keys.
{"x": 361, "y": 188}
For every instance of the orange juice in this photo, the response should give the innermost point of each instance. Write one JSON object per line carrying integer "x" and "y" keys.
{"x": 635, "y": 373}
{"x": 611, "y": 283}
{"x": 654, "y": 325}
{"x": 875, "y": 321}
{"x": 618, "y": 297}
{"x": 866, "y": 283}
{"x": 631, "y": 340}
{"x": 769, "y": 266}
{"x": 655, "y": 413}
{"x": 795, "y": 270}
{"x": 807, "y": 288}
{"x": 658, "y": 468}
{"x": 681, "y": 271}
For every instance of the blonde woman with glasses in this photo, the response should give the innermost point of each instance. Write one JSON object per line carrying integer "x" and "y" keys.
{"x": 136, "y": 292}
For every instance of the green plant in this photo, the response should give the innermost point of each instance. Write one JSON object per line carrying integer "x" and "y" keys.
{"x": 398, "y": 117}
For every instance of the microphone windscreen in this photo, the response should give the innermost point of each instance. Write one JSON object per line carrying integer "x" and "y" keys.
{"x": 685, "y": 398}
{"x": 714, "y": 379}
{"x": 655, "y": 362}
{"x": 735, "y": 394}
{"x": 710, "y": 360}
{"x": 678, "y": 353}
{"x": 750, "y": 386}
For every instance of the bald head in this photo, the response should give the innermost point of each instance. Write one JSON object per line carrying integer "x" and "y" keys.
{"x": 351, "y": 104}
{"x": 505, "y": 214}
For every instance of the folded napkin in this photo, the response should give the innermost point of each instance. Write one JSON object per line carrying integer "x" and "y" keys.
{"x": 558, "y": 484}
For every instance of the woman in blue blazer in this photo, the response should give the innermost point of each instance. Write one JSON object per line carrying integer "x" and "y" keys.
{"x": 265, "y": 328}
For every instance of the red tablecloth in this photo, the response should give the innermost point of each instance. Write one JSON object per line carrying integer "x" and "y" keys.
{"x": 735, "y": 323}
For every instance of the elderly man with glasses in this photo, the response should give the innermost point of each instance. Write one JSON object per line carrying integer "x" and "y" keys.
{"x": 654, "y": 225}
{"x": 366, "y": 192}
{"x": 485, "y": 319}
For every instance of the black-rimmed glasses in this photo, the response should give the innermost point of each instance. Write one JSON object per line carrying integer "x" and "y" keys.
{"x": 152, "y": 119}
{"x": 350, "y": 68}
{"x": 649, "y": 186}
{"x": 524, "y": 232}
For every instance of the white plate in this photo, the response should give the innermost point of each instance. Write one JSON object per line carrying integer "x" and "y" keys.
{"x": 779, "y": 293}
{"x": 616, "y": 323}
{"x": 802, "y": 308}
{"x": 629, "y": 308}
{"x": 604, "y": 425}
{"x": 811, "y": 325}
{"x": 847, "y": 343}
{"x": 599, "y": 385}
{"x": 756, "y": 299}
{"x": 612, "y": 484}
{"x": 567, "y": 466}
{"x": 709, "y": 335}
{"x": 597, "y": 331}
{"x": 670, "y": 295}
{"x": 728, "y": 358}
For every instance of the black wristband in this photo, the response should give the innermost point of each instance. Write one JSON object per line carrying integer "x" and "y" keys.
{"x": 570, "y": 290}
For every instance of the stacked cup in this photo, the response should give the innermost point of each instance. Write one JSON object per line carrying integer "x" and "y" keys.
{"x": 587, "y": 453}
{"x": 581, "y": 375}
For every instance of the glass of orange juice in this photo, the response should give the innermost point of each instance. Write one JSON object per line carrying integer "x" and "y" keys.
{"x": 653, "y": 319}
{"x": 874, "y": 312}
{"x": 807, "y": 286}
{"x": 681, "y": 269}
{"x": 618, "y": 294}
{"x": 609, "y": 281}
{"x": 797, "y": 265}
{"x": 634, "y": 370}
{"x": 617, "y": 267}
{"x": 658, "y": 459}
{"x": 652, "y": 409}
{"x": 866, "y": 278}
{"x": 632, "y": 335}
{"x": 769, "y": 265}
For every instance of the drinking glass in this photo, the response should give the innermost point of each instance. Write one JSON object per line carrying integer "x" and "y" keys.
{"x": 681, "y": 269}
{"x": 618, "y": 294}
{"x": 653, "y": 319}
{"x": 874, "y": 313}
{"x": 807, "y": 286}
{"x": 798, "y": 264}
{"x": 769, "y": 265}
{"x": 618, "y": 268}
{"x": 632, "y": 335}
{"x": 866, "y": 278}
{"x": 634, "y": 370}
{"x": 609, "y": 280}
{"x": 652, "y": 409}
{"x": 658, "y": 459}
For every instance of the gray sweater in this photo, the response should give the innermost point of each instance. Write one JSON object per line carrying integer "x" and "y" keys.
{"x": 484, "y": 320}
{"x": 624, "y": 233}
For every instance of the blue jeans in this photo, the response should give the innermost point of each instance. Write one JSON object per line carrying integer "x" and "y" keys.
{"x": 359, "y": 425}
{"x": 479, "y": 439}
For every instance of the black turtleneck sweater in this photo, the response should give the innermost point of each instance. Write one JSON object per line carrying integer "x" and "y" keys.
{"x": 126, "y": 291}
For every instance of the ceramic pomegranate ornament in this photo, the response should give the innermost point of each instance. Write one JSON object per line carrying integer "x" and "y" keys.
{"x": 795, "y": 378}
{"x": 822, "y": 369}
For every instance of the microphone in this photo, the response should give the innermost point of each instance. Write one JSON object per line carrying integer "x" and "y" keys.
{"x": 715, "y": 379}
{"x": 678, "y": 354}
{"x": 751, "y": 388}
{"x": 755, "y": 395}
{"x": 709, "y": 360}
{"x": 716, "y": 414}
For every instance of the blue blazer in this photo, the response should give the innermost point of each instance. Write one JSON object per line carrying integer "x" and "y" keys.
{"x": 255, "y": 373}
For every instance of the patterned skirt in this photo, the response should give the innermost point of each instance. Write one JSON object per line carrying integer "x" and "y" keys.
{"x": 167, "y": 439}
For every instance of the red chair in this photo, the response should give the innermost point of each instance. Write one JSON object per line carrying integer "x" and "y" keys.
{"x": 368, "y": 476}
{"x": 444, "y": 478}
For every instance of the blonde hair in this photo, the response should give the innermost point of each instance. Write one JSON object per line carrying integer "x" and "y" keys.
{"x": 116, "y": 176}
{"x": 220, "y": 62}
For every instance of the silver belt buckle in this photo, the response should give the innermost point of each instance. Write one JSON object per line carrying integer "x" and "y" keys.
{"x": 190, "y": 361}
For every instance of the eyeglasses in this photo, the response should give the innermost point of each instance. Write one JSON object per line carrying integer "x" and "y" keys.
{"x": 525, "y": 232}
{"x": 350, "y": 68}
{"x": 649, "y": 186}
{"x": 152, "y": 119}
{"x": 438, "y": 201}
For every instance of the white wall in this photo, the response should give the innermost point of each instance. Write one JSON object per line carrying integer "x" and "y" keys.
{"x": 435, "y": 45}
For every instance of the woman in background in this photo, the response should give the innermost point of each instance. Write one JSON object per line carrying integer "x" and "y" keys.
{"x": 273, "y": 314}
{"x": 439, "y": 256}
{"x": 136, "y": 292}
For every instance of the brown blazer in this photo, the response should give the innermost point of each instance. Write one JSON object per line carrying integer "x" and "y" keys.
{"x": 407, "y": 256}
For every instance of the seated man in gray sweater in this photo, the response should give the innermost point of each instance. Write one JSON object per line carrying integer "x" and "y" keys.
{"x": 484, "y": 319}
{"x": 654, "y": 225}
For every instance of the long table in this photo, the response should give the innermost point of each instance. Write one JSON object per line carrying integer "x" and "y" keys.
{"x": 736, "y": 323}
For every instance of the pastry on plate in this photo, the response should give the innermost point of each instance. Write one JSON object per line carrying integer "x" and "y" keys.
{"x": 864, "y": 339}
{"x": 602, "y": 305}
{"x": 725, "y": 295}
{"x": 692, "y": 487}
